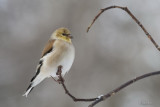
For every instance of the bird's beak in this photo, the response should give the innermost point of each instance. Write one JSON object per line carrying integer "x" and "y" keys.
{"x": 69, "y": 35}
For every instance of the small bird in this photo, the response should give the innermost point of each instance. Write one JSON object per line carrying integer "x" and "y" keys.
{"x": 59, "y": 51}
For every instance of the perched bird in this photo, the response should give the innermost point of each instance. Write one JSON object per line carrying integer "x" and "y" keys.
{"x": 59, "y": 51}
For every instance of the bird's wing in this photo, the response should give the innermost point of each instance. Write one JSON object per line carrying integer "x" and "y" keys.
{"x": 48, "y": 48}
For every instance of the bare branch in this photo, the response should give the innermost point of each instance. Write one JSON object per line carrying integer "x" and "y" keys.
{"x": 113, "y": 92}
{"x": 61, "y": 81}
{"x": 132, "y": 16}
{"x": 104, "y": 97}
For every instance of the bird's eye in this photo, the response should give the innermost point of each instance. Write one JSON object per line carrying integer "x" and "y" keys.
{"x": 63, "y": 34}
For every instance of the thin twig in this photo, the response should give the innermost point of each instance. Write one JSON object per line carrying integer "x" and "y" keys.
{"x": 104, "y": 97}
{"x": 68, "y": 93}
{"x": 132, "y": 16}
{"x": 108, "y": 95}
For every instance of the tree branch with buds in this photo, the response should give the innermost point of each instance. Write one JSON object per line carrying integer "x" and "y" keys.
{"x": 103, "y": 97}
{"x": 116, "y": 90}
{"x": 132, "y": 16}
{"x": 106, "y": 96}
{"x": 113, "y": 92}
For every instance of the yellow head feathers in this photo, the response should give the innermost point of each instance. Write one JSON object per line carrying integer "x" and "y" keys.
{"x": 62, "y": 34}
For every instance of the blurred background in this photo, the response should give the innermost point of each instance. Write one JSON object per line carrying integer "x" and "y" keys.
{"x": 113, "y": 52}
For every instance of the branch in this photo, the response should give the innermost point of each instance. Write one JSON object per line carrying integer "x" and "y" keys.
{"x": 132, "y": 16}
{"x": 104, "y": 97}
{"x": 61, "y": 81}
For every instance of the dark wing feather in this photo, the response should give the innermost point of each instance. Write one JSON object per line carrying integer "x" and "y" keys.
{"x": 48, "y": 48}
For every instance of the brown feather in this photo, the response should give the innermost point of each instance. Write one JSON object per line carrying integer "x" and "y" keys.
{"x": 48, "y": 47}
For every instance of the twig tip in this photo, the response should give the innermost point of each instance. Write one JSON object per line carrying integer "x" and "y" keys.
{"x": 88, "y": 29}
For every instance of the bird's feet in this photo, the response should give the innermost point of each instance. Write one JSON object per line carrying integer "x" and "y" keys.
{"x": 59, "y": 72}
{"x": 60, "y": 80}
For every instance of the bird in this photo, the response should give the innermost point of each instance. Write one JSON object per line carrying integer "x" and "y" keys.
{"x": 59, "y": 51}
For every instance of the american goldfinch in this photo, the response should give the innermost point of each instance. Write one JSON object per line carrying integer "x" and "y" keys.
{"x": 59, "y": 51}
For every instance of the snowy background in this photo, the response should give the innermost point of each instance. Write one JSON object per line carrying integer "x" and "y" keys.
{"x": 113, "y": 52}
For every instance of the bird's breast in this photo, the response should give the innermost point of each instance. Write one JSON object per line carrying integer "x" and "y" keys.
{"x": 62, "y": 55}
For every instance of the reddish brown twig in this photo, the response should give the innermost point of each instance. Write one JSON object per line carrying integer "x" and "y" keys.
{"x": 104, "y": 97}
{"x": 66, "y": 90}
{"x": 132, "y": 16}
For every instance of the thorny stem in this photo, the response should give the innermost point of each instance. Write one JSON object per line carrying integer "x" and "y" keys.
{"x": 132, "y": 16}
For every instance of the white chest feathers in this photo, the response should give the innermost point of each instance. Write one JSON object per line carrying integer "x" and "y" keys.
{"x": 62, "y": 54}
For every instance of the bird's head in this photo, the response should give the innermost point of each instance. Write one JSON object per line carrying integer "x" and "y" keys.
{"x": 62, "y": 34}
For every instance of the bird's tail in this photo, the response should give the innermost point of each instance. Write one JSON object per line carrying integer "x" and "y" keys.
{"x": 34, "y": 81}
{"x": 29, "y": 89}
